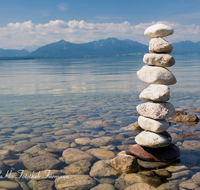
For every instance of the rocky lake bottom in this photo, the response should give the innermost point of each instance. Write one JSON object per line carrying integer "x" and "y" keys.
{"x": 94, "y": 129}
{"x": 63, "y": 121}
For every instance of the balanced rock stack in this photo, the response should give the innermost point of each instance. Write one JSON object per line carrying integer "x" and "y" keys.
{"x": 154, "y": 148}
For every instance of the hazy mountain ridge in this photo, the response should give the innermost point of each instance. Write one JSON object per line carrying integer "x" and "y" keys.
{"x": 186, "y": 47}
{"x": 13, "y": 53}
{"x": 107, "y": 47}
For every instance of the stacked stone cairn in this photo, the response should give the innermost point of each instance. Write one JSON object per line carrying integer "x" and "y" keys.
{"x": 154, "y": 148}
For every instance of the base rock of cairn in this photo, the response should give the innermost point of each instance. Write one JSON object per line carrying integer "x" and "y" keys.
{"x": 154, "y": 148}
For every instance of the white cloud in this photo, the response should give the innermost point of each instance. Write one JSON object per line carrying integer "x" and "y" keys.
{"x": 18, "y": 35}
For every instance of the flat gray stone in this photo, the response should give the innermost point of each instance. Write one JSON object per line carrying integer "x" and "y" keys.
{"x": 156, "y": 110}
{"x": 156, "y": 75}
{"x": 159, "y": 59}
{"x": 159, "y": 45}
{"x": 36, "y": 150}
{"x": 23, "y": 146}
{"x": 156, "y": 93}
{"x": 158, "y": 30}
{"x": 58, "y": 145}
{"x": 156, "y": 126}
{"x": 153, "y": 140}
{"x": 148, "y": 164}
{"x": 40, "y": 163}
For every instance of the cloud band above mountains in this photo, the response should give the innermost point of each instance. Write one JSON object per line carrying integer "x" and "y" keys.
{"x": 18, "y": 35}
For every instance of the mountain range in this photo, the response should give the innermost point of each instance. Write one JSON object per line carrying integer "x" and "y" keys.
{"x": 107, "y": 47}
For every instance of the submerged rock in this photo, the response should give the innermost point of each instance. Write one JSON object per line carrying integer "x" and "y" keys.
{"x": 129, "y": 179}
{"x": 189, "y": 184}
{"x": 7, "y": 154}
{"x": 162, "y": 173}
{"x": 83, "y": 141}
{"x": 102, "y": 168}
{"x": 58, "y": 145}
{"x": 101, "y": 141}
{"x": 196, "y": 178}
{"x": 73, "y": 155}
{"x": 135, "y": 127}
{"x": 103, "y": 187}
{"x": 150, "y": 165}
{"x": 74, "y": 182}
{"x": 186, "y": 118}
{"x": 124, "y": 163}
{"x": 140, "y": 186}
{"x": 9, "y": 184}
{"x": 23, "y": 146}
{"x": 101, "y": 153}
{"x": 80, "y": 167}
{"x": 39, "y": 163}
{"x": 36, "y": 150}
{"x": 44, "y": 185}
{"x": 191, "y": 144}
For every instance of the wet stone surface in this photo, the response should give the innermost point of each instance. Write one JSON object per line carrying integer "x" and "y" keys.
{"x": 73, "y": 143}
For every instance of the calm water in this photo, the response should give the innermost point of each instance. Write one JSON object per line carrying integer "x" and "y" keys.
{"x": 46, "y": 96}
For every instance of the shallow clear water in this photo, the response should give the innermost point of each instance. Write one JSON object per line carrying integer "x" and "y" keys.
{"x": 49, "y": 95}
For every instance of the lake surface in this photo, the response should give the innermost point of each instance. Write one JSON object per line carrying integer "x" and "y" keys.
{"x": 47, "y": 100}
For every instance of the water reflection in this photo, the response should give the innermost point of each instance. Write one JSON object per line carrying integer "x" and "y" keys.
{"x": 69, "y": 76}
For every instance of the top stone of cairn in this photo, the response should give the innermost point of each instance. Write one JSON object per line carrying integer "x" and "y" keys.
{"x": 158, "y": 30}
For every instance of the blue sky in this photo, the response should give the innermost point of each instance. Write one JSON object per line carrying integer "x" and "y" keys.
{"x": 26, "y": 23}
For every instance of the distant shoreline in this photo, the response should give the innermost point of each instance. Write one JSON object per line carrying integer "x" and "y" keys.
{"x": 28, "y": 58}
{"x": 88, "y": 56}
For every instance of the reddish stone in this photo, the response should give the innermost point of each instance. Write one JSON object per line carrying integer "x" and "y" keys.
{"x": 163, "y": 154}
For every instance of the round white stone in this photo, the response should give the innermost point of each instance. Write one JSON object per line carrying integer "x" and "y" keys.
{"x": 156, "y": 92}
{"x": 153, "y": 140}
{"x": 162, "y": 60}
{"x": 158, "y": 30}
{"x": 156, "y": 75}
{"x": 156, "y": 110}
{"x": 159, "y": 45}
{"x": 156, "y": 126}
